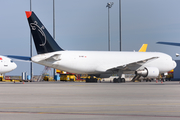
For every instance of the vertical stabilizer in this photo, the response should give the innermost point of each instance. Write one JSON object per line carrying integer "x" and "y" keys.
{"x": 143, "y": 48}
{"x": 43, "y": 40}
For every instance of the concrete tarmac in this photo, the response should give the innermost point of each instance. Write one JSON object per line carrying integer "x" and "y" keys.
{"x": 90, "y": 101}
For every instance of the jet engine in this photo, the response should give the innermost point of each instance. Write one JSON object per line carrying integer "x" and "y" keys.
{"x": 148, "y": 72}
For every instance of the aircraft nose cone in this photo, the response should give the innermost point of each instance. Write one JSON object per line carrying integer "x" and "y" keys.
{"x": 14, "y": 66}
{"x": 174, "y": 64}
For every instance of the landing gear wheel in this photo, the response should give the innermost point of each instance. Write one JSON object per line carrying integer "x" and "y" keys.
{"x": 118, "y": 80}
{"x": 123, "y": 80}
{"x": 115, "y": 80}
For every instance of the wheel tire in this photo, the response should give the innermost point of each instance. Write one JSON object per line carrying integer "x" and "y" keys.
{"x": 87, "y": 80}
{"x": 94, "y": 80}
{"x": 123, "y": 80}
{"x": 115, "y": 80}
{"x": 119, "y": 80}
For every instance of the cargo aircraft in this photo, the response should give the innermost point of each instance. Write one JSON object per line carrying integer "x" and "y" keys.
{"x": 95, "y": 63}
{"x": 6, "y": 64}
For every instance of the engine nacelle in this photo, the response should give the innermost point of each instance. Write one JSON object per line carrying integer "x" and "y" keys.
{"x": 151, "y": 72}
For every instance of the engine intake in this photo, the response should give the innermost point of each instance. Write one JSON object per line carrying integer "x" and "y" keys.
{"x": 148, "y": 72}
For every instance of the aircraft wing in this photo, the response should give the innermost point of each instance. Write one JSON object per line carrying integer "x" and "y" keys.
{"x": 169, "y": 43}
{"x": 132, "y": 66}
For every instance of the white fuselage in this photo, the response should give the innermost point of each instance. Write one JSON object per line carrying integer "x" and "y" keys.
{"x": 6, "y": 65}
{"x": 95, "y": 62}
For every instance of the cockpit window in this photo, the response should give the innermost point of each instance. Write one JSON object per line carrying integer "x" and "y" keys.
{"x": 12, "y": 61}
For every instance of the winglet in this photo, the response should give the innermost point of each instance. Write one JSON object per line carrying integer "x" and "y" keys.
{"x": 28, "y": 13}
{"x": 143, "y": 48}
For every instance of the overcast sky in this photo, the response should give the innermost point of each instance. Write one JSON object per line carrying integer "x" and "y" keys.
{"x": 82, "y": 25}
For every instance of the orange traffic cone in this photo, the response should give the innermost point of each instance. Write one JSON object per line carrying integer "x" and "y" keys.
{"x": 23, "y": 82}
{"x": 156, "y": 81}
{"x": 161, "y": 81}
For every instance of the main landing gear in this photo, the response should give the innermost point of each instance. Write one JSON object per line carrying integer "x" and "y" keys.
{"x": 119, "y": 80}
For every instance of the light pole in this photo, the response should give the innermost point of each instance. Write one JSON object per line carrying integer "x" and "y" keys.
{"x": 31, "y": 49}
{"x": 119, "y": 25}
{"x": 54, "y": 70}
{"x": 109, "y": 5}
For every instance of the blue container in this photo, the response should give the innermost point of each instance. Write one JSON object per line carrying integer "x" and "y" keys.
{"x": 57, "y": 77}
{"x": 28, "y": 77}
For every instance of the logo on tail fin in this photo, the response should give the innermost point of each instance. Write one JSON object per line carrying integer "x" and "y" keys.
{"x": 40, "y": 29}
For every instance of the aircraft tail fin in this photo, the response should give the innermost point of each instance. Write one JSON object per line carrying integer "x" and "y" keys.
{"x": 43, "y": 40}
{"x": 143, "y": 48}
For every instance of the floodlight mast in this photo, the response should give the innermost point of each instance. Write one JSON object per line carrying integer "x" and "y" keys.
{"x": 31, "y": 48}
{"x": 109, "y": 5}
{"x": 54, "y": 70}
{"x": 120, "y": 26}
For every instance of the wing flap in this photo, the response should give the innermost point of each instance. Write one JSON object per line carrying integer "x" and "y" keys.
{"x": 131, "y": 66}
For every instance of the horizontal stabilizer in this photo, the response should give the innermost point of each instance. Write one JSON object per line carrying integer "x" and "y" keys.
{"x": 20, "y": 58}
{"x": 169, "y": 43}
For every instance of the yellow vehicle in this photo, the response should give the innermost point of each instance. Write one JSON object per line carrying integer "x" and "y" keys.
{"x": 88, "y": 78}
{"x": 1, "y": 78}
{"x": 169, "y": 76}
{"x": 67, "y": 77}
{"x": 47, "y": 78}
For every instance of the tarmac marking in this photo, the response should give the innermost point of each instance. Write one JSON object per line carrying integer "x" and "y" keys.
{"x": 77, "y": 85}
{"x": 163, "y": 104}
{"x": 89, "y": 113}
